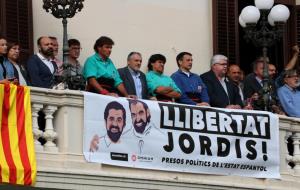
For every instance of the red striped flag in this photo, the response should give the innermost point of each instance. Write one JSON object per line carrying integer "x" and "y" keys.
{"x": 17, "y": 155}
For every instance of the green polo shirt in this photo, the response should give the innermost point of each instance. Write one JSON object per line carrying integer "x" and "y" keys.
{"x": 155, "y": 80}
{"x": 96, "y": 67}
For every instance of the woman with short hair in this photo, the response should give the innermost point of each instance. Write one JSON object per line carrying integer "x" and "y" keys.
{"x": 7, "y": 73}
{"x": 13, "y": 54}
{"x": 159, "y": 85}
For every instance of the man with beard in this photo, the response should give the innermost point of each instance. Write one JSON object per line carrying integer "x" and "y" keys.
{"x": 235, "y": 76}
{"x": 41, "y": 67}
{"x": 115, "y": 121}
{"x": 143, "y": 129}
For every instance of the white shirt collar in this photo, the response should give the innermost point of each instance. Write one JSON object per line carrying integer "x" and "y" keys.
{"x": 133, "y": 72}
{"x": 47, "y": 62}
{"x": 259, "y": 80}
{"x": 187, "y": 73}
{"x": 42, "y": 57}
{"x": 107, "y": 140}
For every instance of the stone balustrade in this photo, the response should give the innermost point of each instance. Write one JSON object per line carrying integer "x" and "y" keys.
{"x": 59, "y": 142}
{"x": 289, "y": 128}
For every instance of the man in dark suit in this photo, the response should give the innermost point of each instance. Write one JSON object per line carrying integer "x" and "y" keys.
{"x": 40, "y": 67}
{"x": 222, "y": 93}
{"x": 134, "y": 79}
{"x": 234, "y": 74}
{"x": 253, "y": 87}
{"x": 254, "y": 81}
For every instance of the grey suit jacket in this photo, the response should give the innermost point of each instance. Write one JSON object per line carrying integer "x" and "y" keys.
{"x": 129, "y": 82}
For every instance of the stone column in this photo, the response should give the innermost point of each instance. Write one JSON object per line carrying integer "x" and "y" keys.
{"x": 296, "y": 155}
{"x": 49, "y": 134}
{"x": 37, "y": 133}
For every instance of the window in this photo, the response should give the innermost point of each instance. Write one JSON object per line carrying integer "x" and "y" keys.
{"x": 228, "y": 35}
{"x": 225, "y": 29}
{"x": 16, "y": 24}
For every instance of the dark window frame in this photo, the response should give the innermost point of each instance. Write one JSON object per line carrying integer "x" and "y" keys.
{"x": 17, "y": 14}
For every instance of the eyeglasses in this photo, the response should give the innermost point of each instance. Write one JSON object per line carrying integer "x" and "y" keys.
{"x": 76, "y": 48}
{"x": 292, "y": 76}
{"x": 222, "y": 64}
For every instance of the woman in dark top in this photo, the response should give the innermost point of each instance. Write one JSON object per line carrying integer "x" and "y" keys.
{"x": 13, "y": 54}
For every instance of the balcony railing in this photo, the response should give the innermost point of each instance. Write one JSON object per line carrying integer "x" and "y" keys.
{"x": 60, "y": 156}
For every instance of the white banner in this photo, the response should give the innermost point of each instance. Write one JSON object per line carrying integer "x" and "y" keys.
{"x": 176, "y": 137}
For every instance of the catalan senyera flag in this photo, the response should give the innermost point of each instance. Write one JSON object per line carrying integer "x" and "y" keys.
{"x": 17, "y": 154}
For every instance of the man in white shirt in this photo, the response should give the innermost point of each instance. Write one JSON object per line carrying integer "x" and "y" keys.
{"x": 115, "y": 122}
{"x": 144, "y": 132}
{"x": 41, "y": 67}
{"x": 116, "y": 134}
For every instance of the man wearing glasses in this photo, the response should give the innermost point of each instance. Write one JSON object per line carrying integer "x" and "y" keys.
{"x": 74, "y": 53}
{"x": 222, "y": 93}
{"x": 289, "y": 95}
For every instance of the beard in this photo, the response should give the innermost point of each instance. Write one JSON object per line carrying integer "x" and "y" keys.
{"x": 48, "y": 52}
{"x": 114, "y": 137}
{"x": 140, "y": 129}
